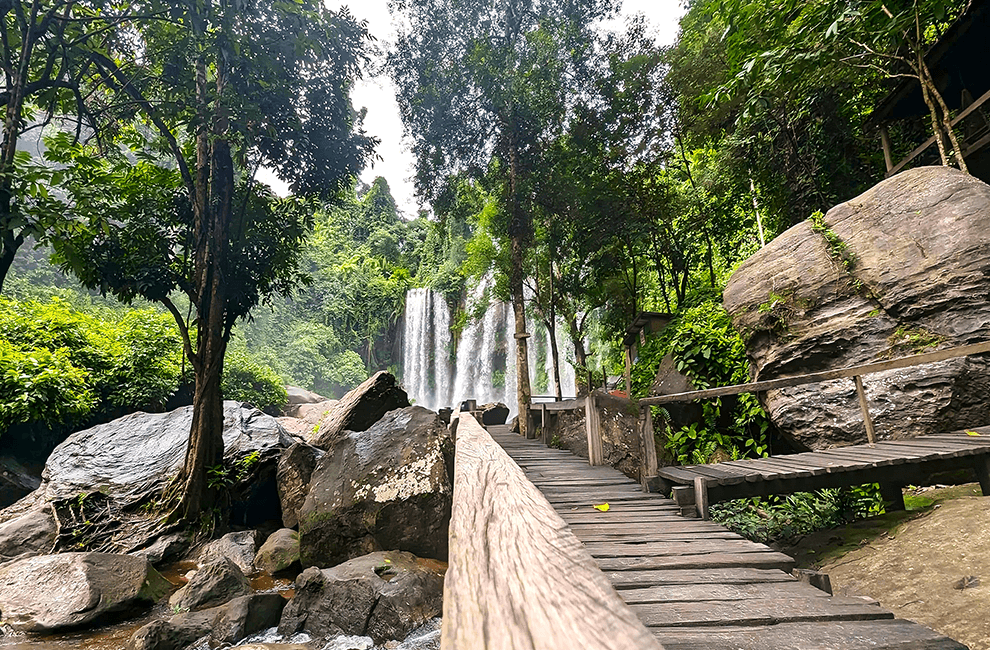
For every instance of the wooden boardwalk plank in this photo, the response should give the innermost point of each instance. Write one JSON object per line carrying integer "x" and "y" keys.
{"x": 730, "y": 592}
{"x": 763, "y": 611}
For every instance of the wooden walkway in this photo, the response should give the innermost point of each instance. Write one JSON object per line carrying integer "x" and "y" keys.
{"x": 693, "y": 583}
{"x": 892, "y": 463}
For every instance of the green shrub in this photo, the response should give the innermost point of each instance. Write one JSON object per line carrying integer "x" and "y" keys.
{"x": 39, "y": 385}
{"x": 246, "y": 380}
{"x": 706, "y": 348}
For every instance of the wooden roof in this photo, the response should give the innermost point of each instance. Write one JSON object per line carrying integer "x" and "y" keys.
{"x": 650, "y": 321}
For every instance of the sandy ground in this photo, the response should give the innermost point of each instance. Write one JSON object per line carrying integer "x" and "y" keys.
{"x": 930, "y": 565}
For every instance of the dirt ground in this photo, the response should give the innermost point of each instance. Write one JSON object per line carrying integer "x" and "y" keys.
{"x": 930, "y": 564}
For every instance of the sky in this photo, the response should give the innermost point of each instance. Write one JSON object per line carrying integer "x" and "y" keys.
{"x": 378, "y": 95}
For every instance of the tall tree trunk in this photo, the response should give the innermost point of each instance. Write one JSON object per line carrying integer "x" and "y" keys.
{"x": 518, "y": 236}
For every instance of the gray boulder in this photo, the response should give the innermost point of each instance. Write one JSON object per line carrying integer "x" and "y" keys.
{"x": 297, "y": 396}
{"x": 238, "y": 547}
{"x": 279, "y": 552}
{"x": 904, "y": 272}
{"x": 295, "y": 469}
{"x": 494, "y": 413}
{"x": 224, "y": 625}
{"x": 388, "y": 487}
{"x": 30, "y": 533}
{"x": 212, "y": 585}
{"x": 54, "y": 592}
{"x": 126, "y": 463}
{"x": 383, "y": 595}
{"x": 360, "y": 408}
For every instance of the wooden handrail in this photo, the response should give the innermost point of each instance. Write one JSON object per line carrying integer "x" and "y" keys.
{"x": 815, "y": 377}
{"x": 927, "y": 143}
{"x": 518, "y": 578}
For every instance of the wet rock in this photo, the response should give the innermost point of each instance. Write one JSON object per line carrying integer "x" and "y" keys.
{"x": 383, "y": 595}
{"x": 31, "y": 533}
{"x": 212, "y": 585}
{"x": 494, "y": 413}
{"x": 222, "y": 625}
{"x": 165, "y": 548}
{"x": 295, "y": 469}
{"x": 279, "y": 552}
{"x": 385, "y": 488}
{"x": 126, "y": 463}
{"x": 238, "y": 547}
{"x": 361, "y": 408}
{"x": 53, "y": 592}
{"x": 16, "y": 481}
{"x": 246, "y": 615}
{"x": 909, "y": 276}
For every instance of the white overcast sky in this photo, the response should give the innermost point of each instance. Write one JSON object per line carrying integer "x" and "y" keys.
{"x": 378, "y": 96}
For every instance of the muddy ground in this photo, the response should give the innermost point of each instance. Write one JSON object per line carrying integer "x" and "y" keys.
{"x": 930, "y": 564}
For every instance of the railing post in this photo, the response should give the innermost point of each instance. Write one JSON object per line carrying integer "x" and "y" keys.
{"x": 649, "y": 466}
{"x": 870, "y": 433}
{"x": 593, "y": 426}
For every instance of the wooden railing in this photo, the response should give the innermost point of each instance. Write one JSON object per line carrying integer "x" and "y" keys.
{"x": 981, "y": 139}
{"x": 518, "y": 578}
{"x": 853, "y": 372}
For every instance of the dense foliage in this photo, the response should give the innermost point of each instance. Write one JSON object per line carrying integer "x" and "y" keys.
{"x": 63, "y": 367}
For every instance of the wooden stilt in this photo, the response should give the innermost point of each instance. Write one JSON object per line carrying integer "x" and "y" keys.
{"x": 865, "y": 408}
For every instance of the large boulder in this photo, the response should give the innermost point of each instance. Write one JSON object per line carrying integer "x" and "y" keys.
{"x": 389, "y": 487}
{"x": 125, "y": 464}
{"x": 224, "y": 625}
{"x": 279, "y": 552}
{"x": 214, "y": 584}
{"x": 494, "y": 413}
{"x": 295, "y": 469}
{"x": 238, "y": 547}
{"x": 899, "y": 270}
{"x": 382, "y": 595}
{"x": 54, "y": 592}
{"x": 360, "y": 408}
{"x": 29, "y": 533}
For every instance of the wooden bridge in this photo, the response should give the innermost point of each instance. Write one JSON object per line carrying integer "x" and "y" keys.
{"x": 534, "y": 564}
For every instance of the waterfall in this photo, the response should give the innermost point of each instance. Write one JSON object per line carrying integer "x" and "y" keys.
{"x": 484, "y": 367}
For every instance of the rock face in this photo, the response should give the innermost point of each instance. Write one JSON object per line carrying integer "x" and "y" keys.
{"x": 361, "y": 408}
{"x": 238, "y": 547}
{"x": 899, "y": 270}
{"x": 53, "y": 592}
{"x": 383, "y": 595}
{"x": 494, "y": 413}
{"x": 214, "y": 584}
{"x": 279, "y": 552}
{"x": 30, "y": 533}
{"x": 389, "y": 487}
{"x": 124, "y": 463}
{"x": 295, "y": 469}
{"x": 15, "y": 481}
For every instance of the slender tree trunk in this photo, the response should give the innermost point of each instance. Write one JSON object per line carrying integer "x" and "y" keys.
{"x": 518, "y": 234}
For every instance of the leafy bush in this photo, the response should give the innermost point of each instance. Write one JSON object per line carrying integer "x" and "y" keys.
{"x": 38, "y": 385}
{"x": 706, "y": 348}
{"x": 782, "y": 519}
{"x": 246, "y": 380}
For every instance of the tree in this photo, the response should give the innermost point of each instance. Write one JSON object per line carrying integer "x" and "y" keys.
{"x": 482, "y": 87}
{"x": 219, "y": 89}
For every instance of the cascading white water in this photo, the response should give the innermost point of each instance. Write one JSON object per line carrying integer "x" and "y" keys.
{"x": 485, "y": 366}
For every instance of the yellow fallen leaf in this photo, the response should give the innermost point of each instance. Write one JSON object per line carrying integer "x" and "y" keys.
{"x": 603, "y": 507}
{"x": 972, "y": 433}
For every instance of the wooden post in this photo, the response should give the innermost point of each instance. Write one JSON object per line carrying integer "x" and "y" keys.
{"x": 595, "y": 453}
{"x": 544, "y": 427}
{"x": 629, "y": 371}
{"x": 982, "y": 466}
{"x": 893, "y": 497}
{"x": 867, "y": 420}
{"x": 701, "y": 496}
{"x": 649, "y": 466}
{"x": 888, "y": 156}
{"x": 530, "y": 429}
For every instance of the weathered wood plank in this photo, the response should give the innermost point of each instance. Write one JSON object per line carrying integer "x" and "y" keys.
{"x": 765, "y": 560}
{"x": 495, "y": 597}
{"x": 709, "y": 592}
{"x": 893, "y": 634}
{"x": 633, "y": 578}
{"x": 659, "y": 549}
{"x": 764, "y": 611}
